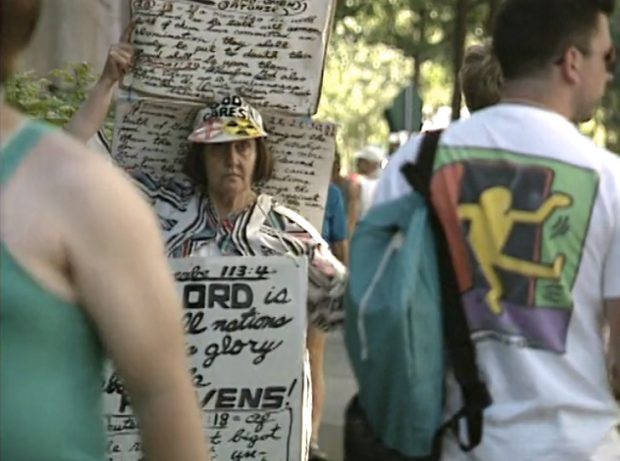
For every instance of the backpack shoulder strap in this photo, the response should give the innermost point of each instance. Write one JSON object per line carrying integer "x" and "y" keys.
{"x": 457, "y": 337}
{"x": 419, "y": 174}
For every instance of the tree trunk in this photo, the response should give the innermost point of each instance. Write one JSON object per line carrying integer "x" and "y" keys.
{"x": 493, "y": 8}
{"x": 421, "y": 44}
{"x": 460, "y": 31}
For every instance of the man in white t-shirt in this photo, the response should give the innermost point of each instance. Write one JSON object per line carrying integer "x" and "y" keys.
{"x": 531, "y": 209}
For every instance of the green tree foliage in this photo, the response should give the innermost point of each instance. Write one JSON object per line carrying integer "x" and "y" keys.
{"x": 426, "y": 32}
{"x": 55, "y": 96}
{"x": 414, "y": 26}
{"x": 360, "y": 81}
{"x": 421, "y": 29}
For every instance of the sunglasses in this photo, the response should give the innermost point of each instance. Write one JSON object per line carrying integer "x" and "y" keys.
{"x": 610, "y": 57}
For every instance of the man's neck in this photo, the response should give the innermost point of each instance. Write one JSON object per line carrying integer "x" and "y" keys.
{"x": 537, "y": 93}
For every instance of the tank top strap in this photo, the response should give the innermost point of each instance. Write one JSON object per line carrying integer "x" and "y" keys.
{"x": 19, "y": 146}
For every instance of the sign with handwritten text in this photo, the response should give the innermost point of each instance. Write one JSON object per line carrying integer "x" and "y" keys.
{"x": 304, "y": 153}
{"x": 245, "y": 324}
{"x": 151, "y": 135}
{"x": 271, "y": 52}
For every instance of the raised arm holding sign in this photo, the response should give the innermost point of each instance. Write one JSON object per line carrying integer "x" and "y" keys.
{"x": 90, "y": 117}
{"x": 204, "y": 159}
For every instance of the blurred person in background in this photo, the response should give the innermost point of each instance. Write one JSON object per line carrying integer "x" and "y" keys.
{"x": 335, "y": 225}
{"x": 368, "y": 164}
{"x": 350, "y": 191}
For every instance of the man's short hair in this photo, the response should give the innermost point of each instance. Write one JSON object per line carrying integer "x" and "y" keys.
{"x": 481, "y": 77}
{"x": 530, "y": 34}
{"x": 18, "y": 19}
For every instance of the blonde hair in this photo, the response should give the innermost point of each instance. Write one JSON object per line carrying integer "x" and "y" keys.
{"x": 481, "y": 77}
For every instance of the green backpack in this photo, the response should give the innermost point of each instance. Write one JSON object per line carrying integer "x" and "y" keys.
{"x": 404, "y": 326}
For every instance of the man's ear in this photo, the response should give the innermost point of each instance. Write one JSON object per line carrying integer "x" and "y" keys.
{"x": 571, "y": 65}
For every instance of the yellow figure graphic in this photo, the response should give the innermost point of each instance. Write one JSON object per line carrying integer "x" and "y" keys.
{"x": 491, "y": 222}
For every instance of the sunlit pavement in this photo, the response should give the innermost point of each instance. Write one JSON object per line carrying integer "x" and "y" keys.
{"x": 340, "y": 388}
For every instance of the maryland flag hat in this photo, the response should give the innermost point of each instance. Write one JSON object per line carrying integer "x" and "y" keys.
{"x": 232, "y": 119}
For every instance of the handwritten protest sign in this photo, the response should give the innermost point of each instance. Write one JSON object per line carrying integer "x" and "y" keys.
{"x": 151, "y": 135}
{"x": 271, "y": 52}
{"x": 245, "y": 323}
{"x": 304, "y": 154}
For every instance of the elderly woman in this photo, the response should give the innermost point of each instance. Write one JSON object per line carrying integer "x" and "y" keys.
{"x": 213, "y": 209}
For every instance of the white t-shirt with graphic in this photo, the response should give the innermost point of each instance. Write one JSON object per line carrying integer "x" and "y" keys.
{"x": 531, "y": 209}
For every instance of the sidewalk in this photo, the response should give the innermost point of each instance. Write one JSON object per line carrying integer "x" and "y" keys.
{"x": 341, "y": 386}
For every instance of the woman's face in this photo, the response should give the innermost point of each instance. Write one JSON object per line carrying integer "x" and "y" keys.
{"x": 230, "y": 166}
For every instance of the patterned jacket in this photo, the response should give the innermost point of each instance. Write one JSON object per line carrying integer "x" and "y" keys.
{"x": 191, "y": 227}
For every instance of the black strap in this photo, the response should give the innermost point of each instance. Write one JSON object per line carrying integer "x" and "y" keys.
{"x": 419, "y": 174}
{"x": 457, "y": 337}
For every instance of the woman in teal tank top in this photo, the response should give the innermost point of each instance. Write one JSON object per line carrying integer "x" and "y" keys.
{"x": 51, "y": 358}
{"x": 73, "y": 228}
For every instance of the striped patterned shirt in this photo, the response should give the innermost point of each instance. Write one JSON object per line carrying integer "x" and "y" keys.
{"x": 191, "y": 227}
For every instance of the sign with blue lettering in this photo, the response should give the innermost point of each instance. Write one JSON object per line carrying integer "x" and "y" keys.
{"x": 245, "y": 324}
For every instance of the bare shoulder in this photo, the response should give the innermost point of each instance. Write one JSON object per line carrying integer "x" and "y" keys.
{"x": 60, "y": 178}
{"x": 65, "y": 203}
{"x": 74, "y": 167}
{"x": 88, "y": 191}
{"x": 69, "y": 163}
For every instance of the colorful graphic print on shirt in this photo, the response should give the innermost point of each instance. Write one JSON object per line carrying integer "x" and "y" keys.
{"x": 516, "y": 226}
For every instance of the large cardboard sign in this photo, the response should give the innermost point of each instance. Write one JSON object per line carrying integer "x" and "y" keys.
{"x": 151, "y": 135}
{"x": 271, "y": 52}
{"x": 304, "y": 152}
{"x": 245, "y": 327}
